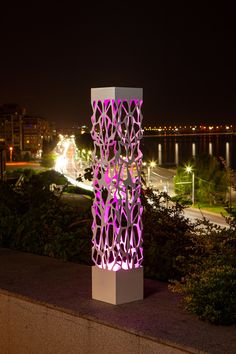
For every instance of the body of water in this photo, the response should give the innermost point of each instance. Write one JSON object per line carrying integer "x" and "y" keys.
{"x": 170, "y": 151}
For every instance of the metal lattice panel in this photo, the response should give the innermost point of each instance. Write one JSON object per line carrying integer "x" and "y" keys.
{"x": 117, "y": 209}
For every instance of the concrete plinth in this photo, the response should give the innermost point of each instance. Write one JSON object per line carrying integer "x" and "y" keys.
{"x": 117, "y": 287}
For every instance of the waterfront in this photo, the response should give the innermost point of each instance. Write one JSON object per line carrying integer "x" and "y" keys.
{"x": 173, "y": 150}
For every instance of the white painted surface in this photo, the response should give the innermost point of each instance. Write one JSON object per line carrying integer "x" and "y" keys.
{"x": 117, "y": 287}
{"x": 115, "y": 93}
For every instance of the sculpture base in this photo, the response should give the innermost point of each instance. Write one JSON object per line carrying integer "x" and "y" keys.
{"x": 117, "y": 287}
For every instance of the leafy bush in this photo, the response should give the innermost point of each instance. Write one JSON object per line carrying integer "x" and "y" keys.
{"x": 27, "y": 157}
{"x": 33, "y": 219}
{"x": 45, "y": 225}
{"x": 9, "y": 206}
{"x": 166, "y": 236}
{"x": 16, "y": 173}
{"x": 48, "y": 177}
{"x": 209, "y": 284}
{"x": 50, "y": 231}
{"x": 48, "y": 160}
{"x": 201, "y": 258}
{"x": 211, "y": 180}
{"x": 210, "y": 294}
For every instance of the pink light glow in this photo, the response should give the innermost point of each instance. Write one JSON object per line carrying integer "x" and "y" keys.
{"x": 116, "y": 266}
{"x": 117, "y": 209}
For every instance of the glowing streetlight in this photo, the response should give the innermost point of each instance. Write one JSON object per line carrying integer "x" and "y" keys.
{"x": 10, "y": 149}
{"x": 151, "y": 165}
{"x": 189, "y": 169}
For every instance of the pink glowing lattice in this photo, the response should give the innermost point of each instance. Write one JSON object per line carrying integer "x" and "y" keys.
{"x": 117, "y": 209}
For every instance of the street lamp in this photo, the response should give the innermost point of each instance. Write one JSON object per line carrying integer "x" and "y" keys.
{"x": 190, "y": 170}
{"x": 10, "y": 149}
{"x": 151, "y": 165}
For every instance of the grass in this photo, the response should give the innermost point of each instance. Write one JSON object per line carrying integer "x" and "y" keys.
{"x": 218, "y": 209}
{"x": 76, "y": 200}
{"x": 21, "y": 168}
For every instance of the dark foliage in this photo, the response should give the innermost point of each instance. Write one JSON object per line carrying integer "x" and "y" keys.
{"x": 201, "y": 258}
{"x": 209, "y": 284}
{"x": 84, "y": 141}
{"x": 33, "y": 219}
{"x": 211, "y": 180}
{"x": 166, "y": 235}
{"x": 49, "y": 145}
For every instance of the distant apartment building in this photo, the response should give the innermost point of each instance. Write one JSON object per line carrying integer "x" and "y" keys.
{"x": 35, "y": 130}
{"x": 11, "y": 116}
{"x": 22, "y": 133}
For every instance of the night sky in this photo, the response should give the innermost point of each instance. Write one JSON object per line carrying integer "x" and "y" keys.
{"x": 184, "y": 57}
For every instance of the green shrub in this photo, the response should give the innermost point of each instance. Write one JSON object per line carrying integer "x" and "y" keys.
{"x": 50, "y": 230}
{"x": 16, "y": 173}
{"x": 209, "y": 283}
{"x": 73, "y": 245}
{"x": 201, "y": 258}
{"x": 165, "y": 235}
{"x": 33, "y": 219}
{"x": 48, "y": 177}
{"x": 27, "y": 157}
{"x": 210, "y": 294}
{"x": 8, "y": 225}
{"x": 48, "y": 160}
{"x": 211, "y": 180}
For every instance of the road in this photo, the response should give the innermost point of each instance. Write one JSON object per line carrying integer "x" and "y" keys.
{"x": 162, "y": 180}
{"x": 72, "y": 164}
{"x": 193, "y": 214}
{"x": 31, "y": 165}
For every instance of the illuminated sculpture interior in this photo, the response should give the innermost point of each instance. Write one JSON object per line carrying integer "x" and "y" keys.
{"x": 117, "y": 209}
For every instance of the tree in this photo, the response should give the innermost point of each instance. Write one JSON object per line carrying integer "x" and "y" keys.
{"x": 49, "y": 145}
{"x": 48, "y": 157}
{"x": 165, "y": 235}
{"x": 84, "y": 141}
{"x": 27, "y": 157}
{"x": 34, "y": 219}
{"x": 48, "y": 160}
{"x": 211, "y": 180}
{"x": 182, "y": 183}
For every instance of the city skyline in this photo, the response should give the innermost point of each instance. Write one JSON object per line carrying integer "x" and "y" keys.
{"x": 183, "y": 57}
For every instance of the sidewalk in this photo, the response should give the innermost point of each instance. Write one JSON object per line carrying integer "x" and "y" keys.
{"x": 196, "y": 213}
{"x": 159, "y": 317}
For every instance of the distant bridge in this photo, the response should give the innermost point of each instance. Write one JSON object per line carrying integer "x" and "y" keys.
{"x": 187, "y": 134}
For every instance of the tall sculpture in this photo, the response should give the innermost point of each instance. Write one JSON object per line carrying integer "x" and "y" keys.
{"x": 117, "y": 226}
